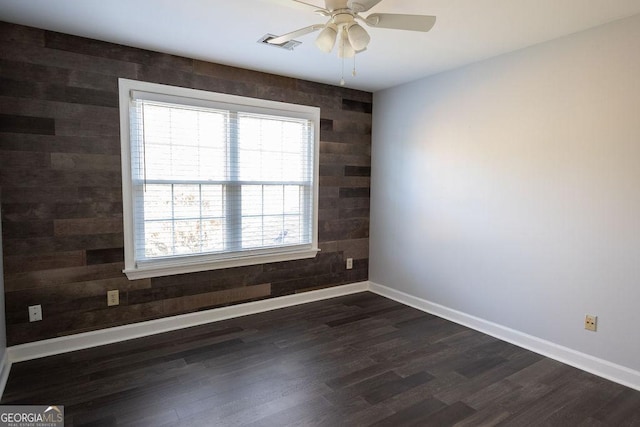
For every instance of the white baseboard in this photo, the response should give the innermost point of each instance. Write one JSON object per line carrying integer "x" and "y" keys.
{"x": 37, "y": 349}
{"x": 611, "y": 371}
{"x": 5, "y": 368}
{"x": 594, "y": 365}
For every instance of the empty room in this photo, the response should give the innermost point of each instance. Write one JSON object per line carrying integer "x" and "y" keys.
{"x": 320, "y": 213}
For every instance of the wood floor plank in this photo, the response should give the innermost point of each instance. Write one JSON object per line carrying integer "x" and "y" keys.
{"x": 416, "y": 414}
{"x": 357, "y": 360}
{"x": 487, "y": 417}
{"x": 449, "y": 415}
{"x": 387, "y": 391}
{"x": 623, "y": 409}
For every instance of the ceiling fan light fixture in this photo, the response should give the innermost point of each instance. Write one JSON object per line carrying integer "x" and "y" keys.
{"x": 327, "y": 38}
{"x": 345, "y": 50}
{"x": 358, "y": 37}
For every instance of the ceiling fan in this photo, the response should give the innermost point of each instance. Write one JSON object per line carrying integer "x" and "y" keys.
{"x": 343, "y": 27}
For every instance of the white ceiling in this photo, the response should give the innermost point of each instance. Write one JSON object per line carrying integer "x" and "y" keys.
{"x": 226, "y": 31}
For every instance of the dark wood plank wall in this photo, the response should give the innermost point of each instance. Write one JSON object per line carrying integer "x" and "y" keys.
{"x": 61, "y": 185}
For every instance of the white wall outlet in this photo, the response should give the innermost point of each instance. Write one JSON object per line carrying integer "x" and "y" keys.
{"x": 349, "y": 263}
{"x": 35, "y": 313}
{"x": 113, "y": 297}
{"x": 591, "y": 322}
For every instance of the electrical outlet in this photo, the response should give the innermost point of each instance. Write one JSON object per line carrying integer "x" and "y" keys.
{"x": 35, "y": 313}
{"x": 113, "y": 297}
{"x": 349, "y": 263}
{"x": 591, "y": 322}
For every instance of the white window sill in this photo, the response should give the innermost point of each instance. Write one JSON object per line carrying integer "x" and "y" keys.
{"x": 192, "y": 265}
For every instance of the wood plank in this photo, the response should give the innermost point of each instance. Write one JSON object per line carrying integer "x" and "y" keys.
{"x": 77, "y": 161}
{"x": 25, "y": 263}
{"x": 36, "y": 279}
{"x": 213, "y": 299}
{"x": 87, "y": 226}
{"x": 27, "y": 124}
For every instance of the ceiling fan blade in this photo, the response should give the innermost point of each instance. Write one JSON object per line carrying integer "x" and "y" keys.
{"x": 299, "y": 5}
{"x": 318, "y": 9}
{"x": 401, "y": 22}
{"x": 297, "y": 33}
{"x": 361, "y": 5}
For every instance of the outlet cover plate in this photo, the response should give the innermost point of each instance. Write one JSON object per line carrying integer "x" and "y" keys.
{"x": 35, "y": 313}
{"x": 113, "y": 298}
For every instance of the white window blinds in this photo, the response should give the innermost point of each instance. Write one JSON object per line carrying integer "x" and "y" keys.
{"x": 213, "y": 181}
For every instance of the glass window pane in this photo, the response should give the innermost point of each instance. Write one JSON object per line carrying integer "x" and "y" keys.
{"x": 251, "y": 232}
{"x": 158, "y": 238}
{"x": 250, "y": 165}
{"x": 292, "y": 137}
{"x": 273, "y": 199}
{"x": 156, "y": 159}
{"x": 183, "y": 143}
{"x": 213, "y": 235}
{"x": 212, "y": 130}
{"x": 184, "y": 162}
{"x": 251, "y": 200}
{"x": 271, "y": 166}
{"x": 157, "y": 201}
{"x": 292, "y": 199}
{"x": 212, "y": 164}
{"x": 156, "y": 122}
{"x": 292, "y": 225}
{"x": 184, "y": 127}
{"x": 274, "y": 232}
{"x": 186, "y": 200}
{"x": 271, "y": 149}
{"x": 187, "y": 236}
{"x": 293, "y": 170}
{"x": 213, "y": 201}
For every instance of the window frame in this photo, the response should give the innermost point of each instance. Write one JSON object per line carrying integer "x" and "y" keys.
{"x": 203, "y": 262}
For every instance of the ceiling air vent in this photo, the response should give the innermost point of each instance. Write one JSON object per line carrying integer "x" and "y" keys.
{"x": 290, "y": 45}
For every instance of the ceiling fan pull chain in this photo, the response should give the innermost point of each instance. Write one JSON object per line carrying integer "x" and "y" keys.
{"x": 353, "y": 73}
{"x": 342, "y": 82}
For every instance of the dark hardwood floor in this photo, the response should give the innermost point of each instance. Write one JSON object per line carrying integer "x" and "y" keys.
{"x": 355, "y": 361}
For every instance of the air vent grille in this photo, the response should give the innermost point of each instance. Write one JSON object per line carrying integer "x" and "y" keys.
{"x": 290, "y": 45}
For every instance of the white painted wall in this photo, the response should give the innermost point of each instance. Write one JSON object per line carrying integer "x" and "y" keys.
{"x": 510, "y": 190}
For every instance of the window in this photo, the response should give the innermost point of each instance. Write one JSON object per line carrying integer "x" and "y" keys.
{"x": 214, "y": 181}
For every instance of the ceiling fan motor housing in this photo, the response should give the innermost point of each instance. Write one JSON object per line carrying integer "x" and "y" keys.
{"x": 342, "y": 18}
